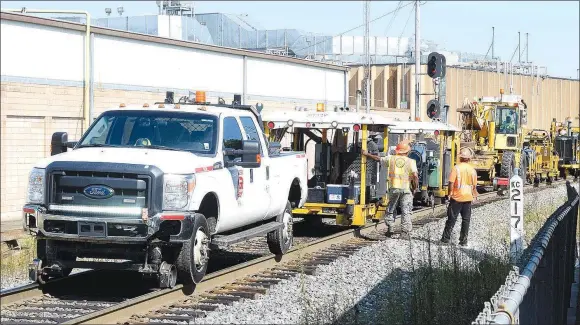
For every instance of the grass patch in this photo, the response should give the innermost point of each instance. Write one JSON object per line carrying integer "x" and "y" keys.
{"x": 451, "y": 288}
{"x": 14, "y": 263}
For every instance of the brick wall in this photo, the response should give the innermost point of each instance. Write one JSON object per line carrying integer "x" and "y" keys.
{"x": 30, "y": 114}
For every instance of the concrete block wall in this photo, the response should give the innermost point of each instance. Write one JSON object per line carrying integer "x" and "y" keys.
{"x": 546, "y": 98}
{"x": 30, "y": 114}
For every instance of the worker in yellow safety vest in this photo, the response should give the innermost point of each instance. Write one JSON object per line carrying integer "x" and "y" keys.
{"x": 403, "y": 181}
{"x": 462, "y": 191}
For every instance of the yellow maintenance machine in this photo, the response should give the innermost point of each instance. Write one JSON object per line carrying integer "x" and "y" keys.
{"x": 540, "y": 160}
{"x": 567, "y": 144}
{"x": 434, "y": 149}
{"x": 492, "y": 127}
{"x": 343, "y": 184}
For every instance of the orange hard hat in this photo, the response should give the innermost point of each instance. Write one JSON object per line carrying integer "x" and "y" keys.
{"x": 403, "y": 147}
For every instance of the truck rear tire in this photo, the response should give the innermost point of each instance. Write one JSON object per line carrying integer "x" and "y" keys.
{"x": 280, "y": 241}
{"x": 194, "y": 254}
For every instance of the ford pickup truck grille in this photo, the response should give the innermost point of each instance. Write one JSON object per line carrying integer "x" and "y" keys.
{"x": 99, "y": 189}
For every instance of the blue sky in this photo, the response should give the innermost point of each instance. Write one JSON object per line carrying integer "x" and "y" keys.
{"x": 553, "y": 26}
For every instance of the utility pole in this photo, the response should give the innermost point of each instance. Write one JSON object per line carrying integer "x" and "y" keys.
{"x": 527, "y": 49}
{"x": 492, "y": 43}
{"x": 367, "y": 57}
{"x": 519, "y": 49}
{"x": 417, "y": 61}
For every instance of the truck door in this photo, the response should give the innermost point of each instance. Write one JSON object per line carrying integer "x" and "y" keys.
{"x": 245, "y": 191}
{"x": 259, "y": 177}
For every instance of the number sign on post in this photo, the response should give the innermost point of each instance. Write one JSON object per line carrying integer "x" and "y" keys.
{"x": 516, "y": 215}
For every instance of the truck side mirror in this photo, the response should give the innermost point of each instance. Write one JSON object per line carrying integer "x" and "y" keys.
{"x": 58, "y": 143}
{"x": 251, "y": 157}
{"x": 250, "y": 154}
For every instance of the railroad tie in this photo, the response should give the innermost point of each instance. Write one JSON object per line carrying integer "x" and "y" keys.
{"x": 279, "y": 275}
{"x": 257, "y": 285}
{"x": 173, "y": 318}
{"x": 31, "y": 320}
{"x": 195, "y": 306}
{"x": 180, "y": 312}
{"x": 235, "y": 293}
{"x": 242, "y": 288}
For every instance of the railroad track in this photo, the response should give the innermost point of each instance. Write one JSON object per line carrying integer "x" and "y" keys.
{"x": 246, "y": 278}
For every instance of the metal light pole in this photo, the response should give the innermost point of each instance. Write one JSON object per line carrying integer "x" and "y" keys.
{"x": 367, "y": 57}
{"x": 417, "y": 60}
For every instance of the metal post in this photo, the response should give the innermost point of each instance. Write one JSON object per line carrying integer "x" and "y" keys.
{"x": 527, "y": 49}
{"x": 314, "y": 46}
{"x": 367, "y": 57}
{"x": 493, "y": 43}
{"x": 245, "y": 80}
{"x": 417, "y": 60}
{"x": 519, "y": 49}
{"x": 91, "y": 80}
{"x": 442, "y": 98}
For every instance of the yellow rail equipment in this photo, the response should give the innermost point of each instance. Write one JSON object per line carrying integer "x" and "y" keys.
{"x": 343, "y": 184}
{"x": 492, "y": 127}
{"x": 540, "y": 160}
{"x": 567, "y": 145}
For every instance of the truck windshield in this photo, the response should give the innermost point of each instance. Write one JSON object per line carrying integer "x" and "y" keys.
{"x": 184, "y": 131}
{"x": 506, "y": 120}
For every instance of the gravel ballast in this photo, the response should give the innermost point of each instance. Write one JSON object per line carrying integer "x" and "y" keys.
{"x": 355, "y": 285}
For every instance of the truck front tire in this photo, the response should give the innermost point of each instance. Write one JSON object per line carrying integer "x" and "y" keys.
{"x": 280, "y": 240}
{"x": 194, "y": 254}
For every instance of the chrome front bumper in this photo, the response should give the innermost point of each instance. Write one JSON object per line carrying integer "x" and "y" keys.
{"x": 35, "y": 217}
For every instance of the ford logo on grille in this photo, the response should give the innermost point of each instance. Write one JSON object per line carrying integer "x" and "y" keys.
{"x": 98, "y": 191}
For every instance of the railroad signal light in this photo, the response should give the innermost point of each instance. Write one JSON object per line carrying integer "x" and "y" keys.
{"x": 433, "y": 109}
{"x": 436, "y": 65}
{"x": 356, "y": 127}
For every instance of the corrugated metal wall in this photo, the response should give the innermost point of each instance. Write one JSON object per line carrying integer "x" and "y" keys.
{"x": 547, "y": 98}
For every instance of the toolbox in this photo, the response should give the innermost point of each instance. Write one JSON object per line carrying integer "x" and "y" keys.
{"x": 316, "y": 195}
{"x": 338, "y": 194}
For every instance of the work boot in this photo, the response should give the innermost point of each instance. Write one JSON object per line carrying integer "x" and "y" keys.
{"x": 389, "y": 233}
{"x": 463, "y": 243}
{"x": 444, "y": 241}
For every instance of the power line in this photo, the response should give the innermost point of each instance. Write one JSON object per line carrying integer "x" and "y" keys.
{"x": 359, "y": 26}
{"x": 394, "y": 16}
{"x": 407, "y": 22}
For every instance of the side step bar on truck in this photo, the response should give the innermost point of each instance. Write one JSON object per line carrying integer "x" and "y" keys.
{"x": 226, "y": 240}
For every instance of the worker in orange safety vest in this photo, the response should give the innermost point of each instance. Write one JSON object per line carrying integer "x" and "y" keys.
{"x": 403, "y": 181}
{"x": 462, "y": 191}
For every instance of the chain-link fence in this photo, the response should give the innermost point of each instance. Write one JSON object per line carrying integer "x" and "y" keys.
{"x": 540, "y": 292}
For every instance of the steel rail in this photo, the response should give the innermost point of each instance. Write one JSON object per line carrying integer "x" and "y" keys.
{"x": 32, "y": 290}
{"x": 158, "y": 299}
{"x": 162, "y": 297}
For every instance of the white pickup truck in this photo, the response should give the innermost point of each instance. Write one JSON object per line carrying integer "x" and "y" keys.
{"x": 157, "y": 187}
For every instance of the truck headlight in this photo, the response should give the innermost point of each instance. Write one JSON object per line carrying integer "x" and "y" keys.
{"x": 177, "y": 191}
{"x": 36, "y": 182}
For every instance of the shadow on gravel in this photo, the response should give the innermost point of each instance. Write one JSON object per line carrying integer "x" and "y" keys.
{"x": 447, "y": 285}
